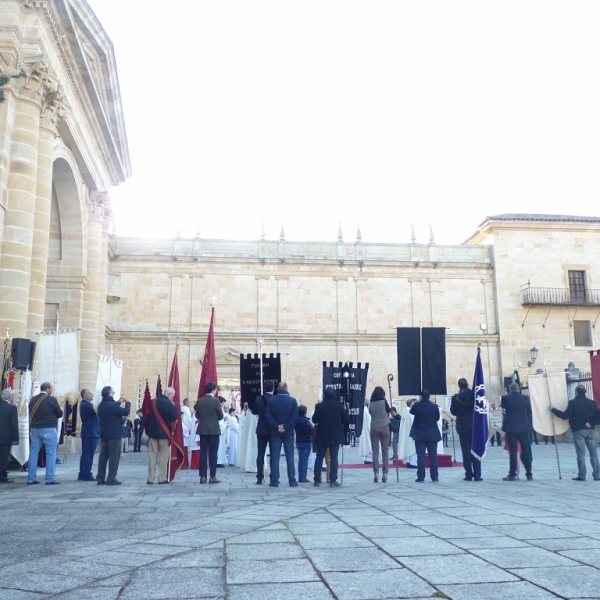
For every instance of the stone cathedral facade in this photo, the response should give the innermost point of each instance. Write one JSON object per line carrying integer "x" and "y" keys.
{"x": 519, "y": 281}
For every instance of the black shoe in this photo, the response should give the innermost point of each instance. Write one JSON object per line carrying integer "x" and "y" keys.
{"x": 150, "y": 482}
{"x": 468, "y": 479}
{"x": 58, "y": 461}
{"x": 435, "y": 481}
{"x": 6, "y": 481}
{"x": 90, "y": 478}
{"x": 220, "y": 466}
{"x": 115, "y": 482}
{"x": 409, "y": 466}
{"x": 259, "y": 482}
{"x": 478, "y": 479}
{"x": 273, "y": 484}
{"x": 52, "y": 482}
{"x": 578, "y": 479}
{"x": 303, "y": 480}
{"x": 293, "y": 483}
{"x": 163, "y": 482}
{"x": 419, "y": 480}
{"x": 33, "y": 483}
{"x": 529, "y": 477}
{"x": 101, "y": 482}
{"x": 335, "y": 484}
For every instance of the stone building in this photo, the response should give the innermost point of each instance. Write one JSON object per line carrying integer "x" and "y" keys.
{"x": 519, "y": 281}
{"x": 62, "y": 146}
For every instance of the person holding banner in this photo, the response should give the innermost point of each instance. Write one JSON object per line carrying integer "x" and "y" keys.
{"x": 163, "y": 413}
{"x": 583, "y": 416}
{"x": 263, "y": 429}
{"x": 462, "y": 406}
{"x": 426, "y": 433}
{"x": 518, "y": 426}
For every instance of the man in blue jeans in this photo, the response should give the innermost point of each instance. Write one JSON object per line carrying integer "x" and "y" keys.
{"x": 44, "y": 413}
{"x": 281, "y": 415}
{"x": 304, "y": 430}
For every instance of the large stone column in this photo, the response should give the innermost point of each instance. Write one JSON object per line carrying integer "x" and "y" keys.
{"x": 98, "y": 205}
{"x": 52, "y": 111}
{"x": 15, "y": 257}
{"x": 104, "y": 279}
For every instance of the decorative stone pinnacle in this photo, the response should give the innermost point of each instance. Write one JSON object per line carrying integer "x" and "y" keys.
{"x": 358, "y": 233}
{"x": 262, "y": 229}
{"x": 340, "y": 234}
{"x": 282, "y": 233}
{"x": 431, "y": 238}
{"x": 413, "y": 237}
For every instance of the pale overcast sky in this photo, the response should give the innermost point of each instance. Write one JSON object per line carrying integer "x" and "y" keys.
{"x": 381, "y": 113}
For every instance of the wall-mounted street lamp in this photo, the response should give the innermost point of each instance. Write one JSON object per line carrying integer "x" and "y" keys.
{"x": 534, "y": 353}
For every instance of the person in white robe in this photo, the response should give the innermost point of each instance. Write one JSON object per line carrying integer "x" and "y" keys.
{"x": 406, "y": 445}
{"x": 364, "y": 441}
{"x": 222, "y": 453}
{"x": 186, "y": 426}
{"x": 233, "y": 436}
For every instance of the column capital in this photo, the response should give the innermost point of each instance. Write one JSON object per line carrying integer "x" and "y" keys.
{"x": 100, "y": 208}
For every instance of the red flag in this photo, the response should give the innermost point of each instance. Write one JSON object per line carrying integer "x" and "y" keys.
{"x": 177, "y": 452}
{"x": 146, "y": 407}
{"x": 209, "y": 364}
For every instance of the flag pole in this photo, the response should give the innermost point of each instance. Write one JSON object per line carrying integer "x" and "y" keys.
{"x": 553, "y": 426}
{"x": 421, "y": 351}
{"x": 390, "y": 378}
{"x": 260, "y": 343}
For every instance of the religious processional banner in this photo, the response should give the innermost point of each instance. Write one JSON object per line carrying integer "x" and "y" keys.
{"x": 595, "y": 368}
{"x": 350, "y": 385}
{"x": 546, "y": 390}
{"x": 250, "y": 375}
{"x": 481, "y": 430}
{"x": 71, "y": 419}
{"x": 432, "y": 351}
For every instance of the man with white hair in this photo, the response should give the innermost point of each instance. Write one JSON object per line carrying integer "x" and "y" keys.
{"x": 9, "y": 431}
{"x": 90, "y": 435}
{"x": 163, "y": 413}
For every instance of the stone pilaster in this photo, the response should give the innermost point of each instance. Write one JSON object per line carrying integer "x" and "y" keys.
{"x": 98, "y": 210}
{"x": 16, "y": 252}
{"x": 53, "y": 109}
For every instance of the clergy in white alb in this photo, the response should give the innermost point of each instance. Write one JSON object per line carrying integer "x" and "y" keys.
{"x": 232, "y": 444}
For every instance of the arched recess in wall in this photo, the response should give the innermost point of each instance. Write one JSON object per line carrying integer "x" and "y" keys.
{"x": 67, "y": 251}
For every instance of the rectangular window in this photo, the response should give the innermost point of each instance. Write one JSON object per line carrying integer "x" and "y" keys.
{"x": 583, "y": 333}
{"x": 577, "y": 287}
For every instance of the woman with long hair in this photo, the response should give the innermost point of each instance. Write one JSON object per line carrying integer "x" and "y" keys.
{"x": 380, "y": 432}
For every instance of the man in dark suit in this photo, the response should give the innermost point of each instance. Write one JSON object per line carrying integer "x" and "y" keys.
{"x": 329, "y": 417}
{"x": 163, "y": 413}
{"x": 426, "y": 433}
{"x": 517, "y": 425}
{"x": 281, "y": 415}
{"x": 263, "y": 429}
{"x": 462, "y": 407}
{"x": 90, "y": 435}
{"x": 9, "y": 431}
{"x": 583, "y": 416}
{"x": 110, "y": 414}
{"x": 209, "y": 412}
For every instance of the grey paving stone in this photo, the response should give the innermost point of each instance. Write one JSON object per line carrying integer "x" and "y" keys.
{"x": 262, "y": 537}
{"x": 569, "y": 582}
{"x": 13, "y": 594}
{"x": 334, "y": 540}
{"x": 311, "y": 590}
{"x": 237, "y": 552}
{"x": 418, "y": 546}
{"x": 489, "y": 542}
{"x": 307, "y": 527}
{"x": 526, "y": 531}
{"x": 175, "y": 583}
{"x": 589, "y": 556}
{"x": 517, "y": 590}
{"x": 126, "y": 559}
{"x": 523, "y": 557}
{"x": 393, "y": 583}
{"x": 462, "y": 530}
{"x": 207, "y": 557}
{"x": 394, "y": 531}
{"x": 567, "y": 543}
{"x": 270, "y": 571}
{"x": 463, "y": 568}
{"x": 344, "y": 559}
{"x": 40, "y": 581}
{"x": 90, "y": 593}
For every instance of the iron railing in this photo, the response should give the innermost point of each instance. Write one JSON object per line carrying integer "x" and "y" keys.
{"x": 559, "y": 296}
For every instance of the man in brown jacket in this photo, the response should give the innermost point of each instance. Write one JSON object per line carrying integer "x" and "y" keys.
{"x": 209, "y": 412}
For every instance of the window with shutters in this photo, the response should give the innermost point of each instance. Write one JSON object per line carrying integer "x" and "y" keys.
{"x": 577, "y": 287}
{"x": 583, "y": 333}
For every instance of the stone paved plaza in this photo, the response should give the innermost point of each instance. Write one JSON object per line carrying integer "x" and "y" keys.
{"x": 240, "y": 541}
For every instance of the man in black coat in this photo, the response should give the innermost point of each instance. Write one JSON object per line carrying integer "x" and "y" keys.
{"x": 517, "y": 425}
{"x": 263, "y": 429}
{"x": 426, "y": 433}
{"x": 111, "y": 416}
{"x": 583, "y": 416}
{"x": 329, "y": 417}
{"x": 163, "y": 413}
{"x": 9, "y": 431}
{"x": 462, "y": 407}
{"x": 281, "y": 415}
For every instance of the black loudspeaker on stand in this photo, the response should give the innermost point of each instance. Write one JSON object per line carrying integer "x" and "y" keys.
{"x": 22, "y": 353}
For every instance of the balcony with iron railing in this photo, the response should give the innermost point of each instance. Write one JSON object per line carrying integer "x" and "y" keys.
{"x": 558, "y": 296}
